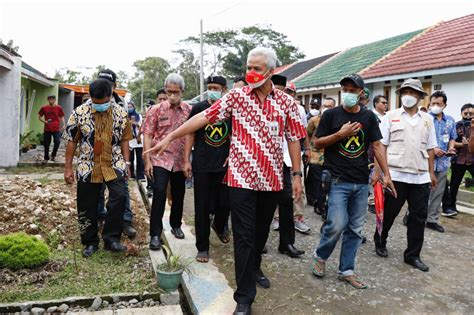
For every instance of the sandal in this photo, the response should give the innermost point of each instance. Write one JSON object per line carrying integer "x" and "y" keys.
{"x": 318, "y": 268}
{"x": 224, "y": 236}
{"x": 353, "y": 281}
{"x": 202, "y": 257}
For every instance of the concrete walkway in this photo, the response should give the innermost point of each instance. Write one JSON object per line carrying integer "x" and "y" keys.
{"x": 207, "y": 289}
{"x": 162, "y": 310}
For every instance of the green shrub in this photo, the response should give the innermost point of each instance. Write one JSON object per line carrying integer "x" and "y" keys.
{"x": 20, "y": 250}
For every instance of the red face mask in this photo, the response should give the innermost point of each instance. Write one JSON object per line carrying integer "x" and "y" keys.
{"x": 255, "y": 79}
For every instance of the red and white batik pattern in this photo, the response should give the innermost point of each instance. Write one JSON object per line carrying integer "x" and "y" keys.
{"x": 256, "y": 155}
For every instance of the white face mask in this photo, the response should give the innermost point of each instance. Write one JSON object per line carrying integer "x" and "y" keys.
{"x": 314, "y": 112}
{"x": 436, "y": 109}
{"x": 409, "y": 101}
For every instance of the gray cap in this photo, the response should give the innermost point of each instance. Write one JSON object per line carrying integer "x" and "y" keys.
{"x": 414, "y": 84}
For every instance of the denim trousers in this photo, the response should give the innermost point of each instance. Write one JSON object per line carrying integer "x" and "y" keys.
{"x": 347, "y": 212}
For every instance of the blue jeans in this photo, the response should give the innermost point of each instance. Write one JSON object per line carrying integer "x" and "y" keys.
{"x": 346, "y": 215}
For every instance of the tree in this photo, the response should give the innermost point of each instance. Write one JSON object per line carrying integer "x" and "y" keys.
{"x": 226, "y": 51}
{"x": 150, "y": 73}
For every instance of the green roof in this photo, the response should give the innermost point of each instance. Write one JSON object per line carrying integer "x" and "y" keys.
{"x": 352, "y": 60}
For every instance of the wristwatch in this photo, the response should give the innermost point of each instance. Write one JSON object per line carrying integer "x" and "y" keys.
{"x": 297, "y": 174}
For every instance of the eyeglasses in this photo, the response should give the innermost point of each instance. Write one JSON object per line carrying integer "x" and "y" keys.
{"x": 385, "y": 103}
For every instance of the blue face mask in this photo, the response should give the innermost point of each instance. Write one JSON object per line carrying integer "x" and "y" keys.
{"x": 349, "y": 99}
{"x": 131, "y": 110}
{"x": 214, "y": 95}
{"x": 101, "y": 107}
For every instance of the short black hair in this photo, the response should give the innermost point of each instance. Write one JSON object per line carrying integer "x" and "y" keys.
{"x": 51, "y": 97}
{"x": 160, "y": 91}
{"x": 100, "y": 88}
{"x": 439, "y": 94}
{"x": 330, "y": 99}
{"x": 238, "y": 79}
{"x": 466, "y": 106}
{"x": 377, "y": 98}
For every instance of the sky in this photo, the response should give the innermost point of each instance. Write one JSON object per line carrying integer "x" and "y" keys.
{"x": 83, "y": 34}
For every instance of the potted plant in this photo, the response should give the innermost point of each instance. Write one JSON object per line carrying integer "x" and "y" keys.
{"x": 169, "y": 273}
{"x": 25, "y": 142}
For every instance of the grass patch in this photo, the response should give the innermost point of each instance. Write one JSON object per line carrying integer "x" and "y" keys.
{"x": 103, "y": 273}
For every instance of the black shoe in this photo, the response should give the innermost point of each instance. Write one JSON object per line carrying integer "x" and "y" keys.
{"x": 371, "y": 209}
{"x": 53, "y": 159}
{"x": 435, "y": 226}
{"x": 89, "y": 250}
{"x": 417, "y": 263}
{"x": 243, "y": 309}
{"x": 262, "y": 280}
{"x": 364, "y": 239}
{"x": 291, "y": 251}
{"x": 381, "y": 251}
{"x": 405, "y": 219}
{"x": 265, "y": 250}
{"x": 155, "y": 243}
{"x": 449, "y": 212}
{"x": 115, "y": 247}
{"x": 129, "y": 230}
{"x": 177, "y": 232}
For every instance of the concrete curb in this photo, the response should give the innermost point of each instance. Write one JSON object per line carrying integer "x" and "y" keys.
{"x": 75, "y": 300}
{"x": 207, "y": 290}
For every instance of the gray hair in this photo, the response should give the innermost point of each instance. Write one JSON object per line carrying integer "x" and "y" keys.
{"x": 268, "y": 53}
{"x": 174, "y": 78}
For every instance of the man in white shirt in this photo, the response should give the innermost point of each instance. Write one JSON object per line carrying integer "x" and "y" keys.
{"x": 409, "y": 139}
{"x": 380, "y": 106}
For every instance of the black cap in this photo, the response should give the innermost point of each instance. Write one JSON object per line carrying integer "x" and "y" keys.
{"x": 150, "y": 103}
{"x": 217, "y": 79}
{"x": 279, "y": 79}
{"x": 108, "y": 75}
{"x": 51, "y": 96}
{"x": 354, "y": 78}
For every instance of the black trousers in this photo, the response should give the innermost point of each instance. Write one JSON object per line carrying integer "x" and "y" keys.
{"x": 87, "y": 204}
{"x": 137, "y": 169}
{"x": 457, "y": 174}
{"x": 285, "y": 211}
{"x": 252, "y": 213}
{"x": 209, "y": 192}
{"x": 161, "y": 177}
{"x": 47, "y": 141}
{"x": 313, "y": 187}
{"x": 417, "y": 196}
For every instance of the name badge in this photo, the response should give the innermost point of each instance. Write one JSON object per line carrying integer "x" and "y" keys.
{"x": 274, "y": 128}
{"x": 445, "y": 138}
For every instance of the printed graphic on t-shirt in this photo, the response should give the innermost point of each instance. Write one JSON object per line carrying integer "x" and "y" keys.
{"x": 216, "y": 134}
{"x": 353, "y": 146}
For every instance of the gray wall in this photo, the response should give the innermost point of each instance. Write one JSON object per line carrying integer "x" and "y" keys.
{"x": 10, "y": 85}
{"x": 66, "y": 100}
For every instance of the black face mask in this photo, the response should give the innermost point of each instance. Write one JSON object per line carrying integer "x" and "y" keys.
{"x": 467, "y": 119}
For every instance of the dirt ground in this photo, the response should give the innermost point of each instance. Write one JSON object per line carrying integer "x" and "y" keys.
{"x": 394, "y": 287}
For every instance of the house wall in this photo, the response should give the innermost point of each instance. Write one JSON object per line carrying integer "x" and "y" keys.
{"x": 41, "y": 96}
{"x": 334, "y": 93}
{"x": 10, "y": 103}
{"x": 66, "y": 100}
{"x": 459, "y": 88}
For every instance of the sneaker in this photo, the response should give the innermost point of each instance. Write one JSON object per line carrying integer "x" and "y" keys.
{"x": 275, "y": 224}
{"x": 301, "y": 226}
{"x": 449, "y": 212}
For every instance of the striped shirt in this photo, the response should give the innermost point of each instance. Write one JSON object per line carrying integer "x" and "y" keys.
{"x": 256, "y": 146}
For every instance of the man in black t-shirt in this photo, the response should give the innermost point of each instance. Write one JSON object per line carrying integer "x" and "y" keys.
{"x": 209, "y": 166}
{"x": 345, "y": 133}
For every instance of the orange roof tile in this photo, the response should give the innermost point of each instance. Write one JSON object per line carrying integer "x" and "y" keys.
{"x": 447, "y": 44}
